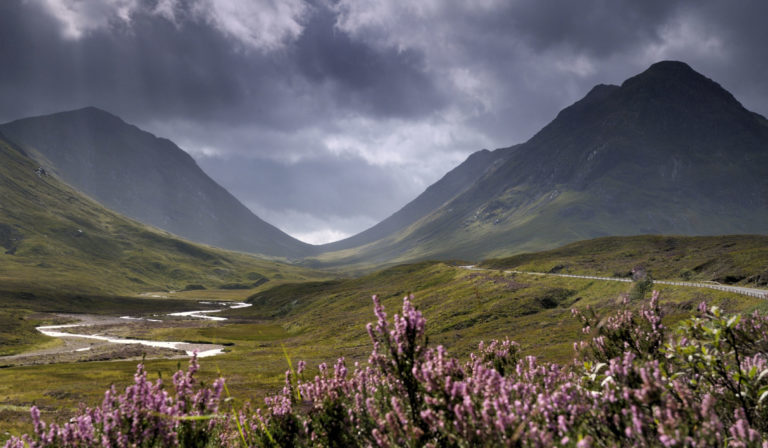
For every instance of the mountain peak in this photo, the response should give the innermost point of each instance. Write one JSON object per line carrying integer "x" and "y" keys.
{"x": 88, "y": 116}
{"x": 671, "y": 67}
{"x": 598, "y": 93}
{"x": 92, "y": 114}
{"x": 677, "y": 79}
{"x": 91, "y": 110}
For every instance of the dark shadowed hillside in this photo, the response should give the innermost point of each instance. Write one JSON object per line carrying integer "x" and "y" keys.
{"x": 667, "y": 152}
{"x": 55, "y": 243}
{"x": 146, "y": 178}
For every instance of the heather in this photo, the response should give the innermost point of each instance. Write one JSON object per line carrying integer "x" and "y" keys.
{"x": 632, "y": 381}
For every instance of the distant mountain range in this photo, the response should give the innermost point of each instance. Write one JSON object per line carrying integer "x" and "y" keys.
{"x": 146, "y": 178}
{"x": 667, "y": 152}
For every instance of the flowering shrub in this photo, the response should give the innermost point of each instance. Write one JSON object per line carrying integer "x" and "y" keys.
{"x": 633, "y": 381}
{"x": 144, "y": 415}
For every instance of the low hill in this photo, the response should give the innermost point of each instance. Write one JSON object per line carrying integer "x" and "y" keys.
{"x": 463, "y": 306}
{"x": 147, "y": 178}
{"x": 732, "y": 259}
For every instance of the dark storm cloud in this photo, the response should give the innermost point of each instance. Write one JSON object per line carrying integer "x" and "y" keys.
{"x": 594, "y": 27}
{"x": 147, "y": 67}
{"x": 533, "y": 58}
{"x": 379, "y": 82}
{"x": 191, "y": 70}
{"x": 331, "y": 114}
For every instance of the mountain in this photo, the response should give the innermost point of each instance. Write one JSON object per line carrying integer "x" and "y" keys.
{"x": 667, "y": 152}
{"x": 146, "y": 178}
{"x": 56, "y": 242}
{"x": 436, "y": 195}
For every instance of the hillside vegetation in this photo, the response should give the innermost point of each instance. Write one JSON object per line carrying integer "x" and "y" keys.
{"x": 62, "y": 252}
{"x": 733, "y": 259}
{"x": 464, "y": 306}
{"x": 623, "y": 364}
{"x": 321, "y": 320}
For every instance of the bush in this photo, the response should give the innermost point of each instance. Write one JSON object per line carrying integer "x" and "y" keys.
{"x": 640, "y": 288}
{"x": 146, "y": 414}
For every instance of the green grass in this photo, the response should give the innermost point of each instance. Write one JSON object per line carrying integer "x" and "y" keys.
{"x": 18, "y": 334}
{"x": 319, "y": 321}
{"x": 61, "y": 252}
{"x": 462, "y": 307}
{"x": 733, "y": 259}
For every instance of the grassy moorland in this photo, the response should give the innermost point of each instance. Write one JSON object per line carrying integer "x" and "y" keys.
{"x": 319, "y": 321}
{"x": 731, "y": 259}
{"x": 463, "y": 306}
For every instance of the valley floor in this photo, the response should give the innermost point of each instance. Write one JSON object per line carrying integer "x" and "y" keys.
{"x": 320, "y": 321}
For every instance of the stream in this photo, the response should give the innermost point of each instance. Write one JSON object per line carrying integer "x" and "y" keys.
{"x": 203, "y": 350}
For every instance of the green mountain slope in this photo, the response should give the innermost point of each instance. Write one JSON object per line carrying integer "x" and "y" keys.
{"x": 667, "y": 152}
{"x": 57, "y": 242}
{"x": 146, "y": 178}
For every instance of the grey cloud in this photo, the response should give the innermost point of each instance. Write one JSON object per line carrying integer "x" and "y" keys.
{"x": 148, "y": 67}
{"x": 593, "y": 27}
{"x": 314, "y": 199}
{"x": 378, "y": 81}
{"x": 185, "y": 68}
{"x": 343, "y": 114}
{"x": 320, "y": 187}
{"x": 537, "y": 57}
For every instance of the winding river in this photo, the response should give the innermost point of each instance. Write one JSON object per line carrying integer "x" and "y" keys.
{"x": 203, "y": 350}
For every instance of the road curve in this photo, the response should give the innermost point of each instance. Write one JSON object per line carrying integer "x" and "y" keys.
{"x": 752, "y": 292}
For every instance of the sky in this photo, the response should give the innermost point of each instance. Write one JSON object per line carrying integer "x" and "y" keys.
{"x": 325, "y": 117}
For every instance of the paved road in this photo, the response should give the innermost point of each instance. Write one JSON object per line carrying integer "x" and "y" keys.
{"x": 752, "y": 292}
